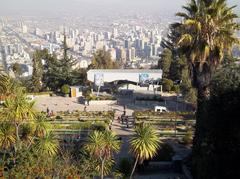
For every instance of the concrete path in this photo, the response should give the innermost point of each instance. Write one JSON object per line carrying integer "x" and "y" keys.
{"x": 123, "y": 132}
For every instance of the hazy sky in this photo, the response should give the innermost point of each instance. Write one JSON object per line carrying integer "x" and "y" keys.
{"x": 83, "y": 7}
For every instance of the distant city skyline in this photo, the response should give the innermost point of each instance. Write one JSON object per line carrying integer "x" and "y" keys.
{"x": 54, "y": 8}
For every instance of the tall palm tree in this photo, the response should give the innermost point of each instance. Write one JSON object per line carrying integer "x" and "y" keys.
{"x": 144, "y": 144}
{"x": 102, "y": 145}
{"x": 207, "y": 32}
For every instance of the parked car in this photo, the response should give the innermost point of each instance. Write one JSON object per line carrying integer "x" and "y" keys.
{"x": 160, "y": 109}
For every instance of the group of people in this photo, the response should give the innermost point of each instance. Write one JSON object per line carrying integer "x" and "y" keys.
{"x": 124, "y": 119}
{"x": 49, "y": 113}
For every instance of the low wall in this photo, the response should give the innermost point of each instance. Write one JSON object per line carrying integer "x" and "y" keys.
{"x": 160, "y": 165}
{"x": 149, "y": 103}
{"x": 102, "y": 102}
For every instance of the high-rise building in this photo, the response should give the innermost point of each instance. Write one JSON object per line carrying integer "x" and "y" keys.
{"x": 123, "y": 55}
{"x": 129, "y": 54}
{"x": 154, "y": 50}
{"x": 38, "y": 32}
{"x": 24, "y": 29}
{"x": 133, "y": 53}
{"x": 147, "y": 51}
{"x": 127, "y": 44}
{"x": 107, "y": 35}
{"x": 115, "y": 32}
{"x": 112, "y": 52}
{"x": 142, "y": 42}
{"x": 137, "y": 44}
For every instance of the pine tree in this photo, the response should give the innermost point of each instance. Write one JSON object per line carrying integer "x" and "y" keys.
{"x": 60, "y": 71}
{"x": 37, "y": 75}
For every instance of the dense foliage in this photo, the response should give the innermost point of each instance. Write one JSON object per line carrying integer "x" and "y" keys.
{"x": 103, "y": 60}
{"x": 217, "y": 157}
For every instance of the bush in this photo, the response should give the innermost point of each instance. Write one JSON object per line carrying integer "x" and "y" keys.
{"x": 147, "y": 98}
{"x": 98, "y": 127}
{"x": 167, "y": 84}
{"x": 187, "y": 139}
{"x": 125, "y": 166}
{"x": 65, "y": 89}
{"x": 165, "y": 153}
{"x": 176, "y": 88}
{"x": 59, "y": 117}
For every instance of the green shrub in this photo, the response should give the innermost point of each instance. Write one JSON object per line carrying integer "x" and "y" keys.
{"x": 125, "y": 166}
{"x": 167, "y": 84}
{"x": 59, "y": 117}
{"x": 176, "y": 88}
{"x": 165, "y": 153}
{"x": 65, "y": 89}
{"x": 98, "y": 127}
{"x": 187, "y": 139}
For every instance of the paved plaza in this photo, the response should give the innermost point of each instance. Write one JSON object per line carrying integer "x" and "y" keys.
{"x": 71, "y": 104}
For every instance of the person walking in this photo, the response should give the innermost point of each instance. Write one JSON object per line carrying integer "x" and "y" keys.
{"x": 48, "y": 112}
{"x": 124, "y": 109}
{"x": 127, "y": 121}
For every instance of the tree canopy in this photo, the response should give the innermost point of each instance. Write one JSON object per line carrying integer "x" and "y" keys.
{"x": 222, "y": 140}
{"x": 103, "y": 60}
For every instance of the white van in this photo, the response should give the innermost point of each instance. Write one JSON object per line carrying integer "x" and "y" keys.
{"x": 160, "y": 109}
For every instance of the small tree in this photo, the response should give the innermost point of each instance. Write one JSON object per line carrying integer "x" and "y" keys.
{"x": 165, "y": 62}
{"x": 102, "y": 145}
{"x": 65, "y": 89}
{"x": 167, "y": 85}
{"x": 103, "y": 60}
{"x": 17, "y": 69}
{"x": 144, "y": 144}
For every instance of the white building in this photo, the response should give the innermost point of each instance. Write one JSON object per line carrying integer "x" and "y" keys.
{"x": 133, "y": 75}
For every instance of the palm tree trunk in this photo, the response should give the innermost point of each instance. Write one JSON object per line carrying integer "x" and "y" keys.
{"x": 201, "y": 131}
{"x": 134, "y": 167}
{"x": 201, "y": 116}
{"x": 102, "y": 167}
{"x": 17, "y": 135}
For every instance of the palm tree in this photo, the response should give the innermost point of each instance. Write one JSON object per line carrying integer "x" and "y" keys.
{"x": 102, "y": 145}
{"x": 207, "y": 32}
{"x": 41, "y": 126}
{"x": 4, "y": 84}
{"x": 18, "y": 110}
{"x": 8, "y": 86}
{"x": 27, "y": 133}
{"x": 7, "y": 141}
{"x": 7, "y": 137}
{"x": 144, "y": 144}
{"x": 47, "y": 145}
